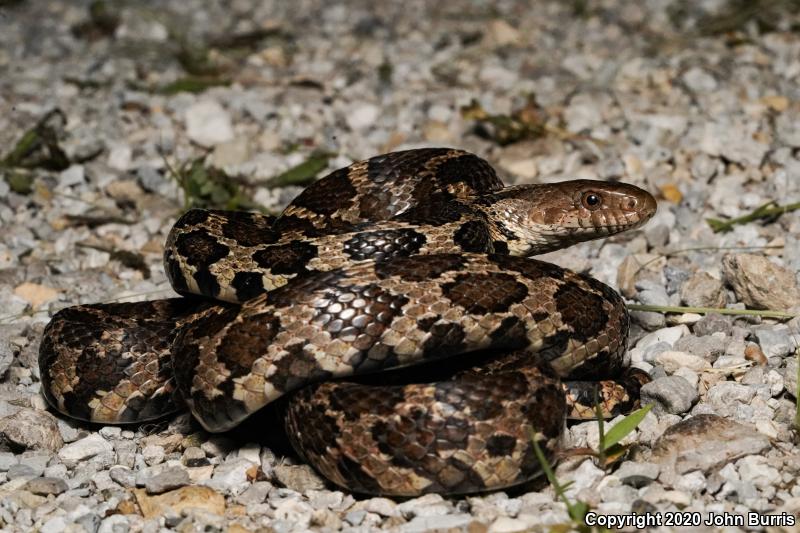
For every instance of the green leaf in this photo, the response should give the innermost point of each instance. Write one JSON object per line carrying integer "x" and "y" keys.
{"x": 193, "y": 84}
{"x": 302, "y": 174}
{"x": 625, "y": 426}
{"x": 718, "y": 225}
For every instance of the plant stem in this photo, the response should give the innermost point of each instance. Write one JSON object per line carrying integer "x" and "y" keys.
{"x": 765, "y": 211}
{"x": 705, "y": 310}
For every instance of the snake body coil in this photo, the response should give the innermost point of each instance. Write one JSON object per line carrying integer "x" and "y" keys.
{"x": 409, "y": 261}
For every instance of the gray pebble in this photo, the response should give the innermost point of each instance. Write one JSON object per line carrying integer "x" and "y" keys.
{"x": 709, "y": 346}
{"x": 7, "y": 459}
{"x": 194, "y": 456}
{"x": 85, "y": 448}
{"x": 56, "y": 524}
{"x": 20, "y": 471}
{"x": 33, "y": 430}
{"x": 298, "y": 477}
{"x": 724, "y": 397}
{"x": 653, "y": 351}
{"x": 776, "y": 341}
{"x": 168, "y": 479}
{"x": 123, "y": 475}
{"x": 670, "y": 394}
{"x": 637, "y": 474}
{"x": 712, "y": 323}
{"x": 45, "y": 486}
{"x": 703, "y": 290}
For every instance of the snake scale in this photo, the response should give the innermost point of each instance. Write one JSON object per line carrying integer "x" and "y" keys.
{"x": 410, "y": 274}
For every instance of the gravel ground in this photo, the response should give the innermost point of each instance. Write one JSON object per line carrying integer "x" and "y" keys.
{"x": 695, "y": 101}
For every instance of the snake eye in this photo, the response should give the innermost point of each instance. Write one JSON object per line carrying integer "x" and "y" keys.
{"x": 591, "y": 200}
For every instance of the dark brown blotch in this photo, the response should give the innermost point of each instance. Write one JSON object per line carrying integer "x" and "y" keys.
{"x": 247, "y": 285}
{"x": 420, "y": 268}
{"x": 471, "y": 171}
{"x": 473, "y": 236}
{"x": 192, "y": 217}
{"x": 445, "y": 339}
{"x": 500, "y": 445}
{"x": 330, "y": 194}
{"x": 490, "y": 292}
{"x": 246, "y": 233}
{"x": 200, "y": 249}
{"x": 245, "y": 341}
{"x": 290, "y": 258}
{"x": 357, "y": 400}
{"x": 207, "y": 283}
{"x": 583, "y": 311}
{"x": 297, "y": 368}
{"x": 530, "y": 268}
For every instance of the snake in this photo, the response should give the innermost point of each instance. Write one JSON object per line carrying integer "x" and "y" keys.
{"x": 394, "y": 313}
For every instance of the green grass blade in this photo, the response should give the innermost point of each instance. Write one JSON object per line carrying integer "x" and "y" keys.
{"x": 302, "y": 174}
{"x": 625, "y": 426}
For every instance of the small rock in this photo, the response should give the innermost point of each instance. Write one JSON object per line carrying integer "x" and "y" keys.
{"x": 787, "y": 127}
{"x": 668, "y": 335}
{"x": 704, "y": 443}
{"x": 36, "y": 294}
{"x": 689, "y": 375}
{"x": 298, "y": 477}
{"x": 85, "y": 448}
{"x": 699, "y": 81}
{"x": 709, "y": 347}
{"x": 20, "y": 470}
{"x": 7, "y": 459}
{"x": 208, "y": 123}
{"x": 194, "y": 456}
{"x": 789, "y": 373}
{"x": 703, "y": 290}
{"x": 56, "y": 524}
{"x": 123, "y": 475}
{"x": 670, "y": 394}
{"x": 759, "y": 283}
{"x": 32, "y": 430}
{"x": 693, "y": 482}
{"x": 724, "y": 397}
{"x": 120, "y": 157}
{"x": 175, "y": 501}
{"x": 230, "y": 153}
{"x": 355, "y": 518}
{"x": 673, "y": 360}
{"x": 6, "y": 355}
{"x": 755, "y": 468}
{"x": 74, "y": 175}
{"x": 231, "y": 476}
{"x": 501, "y": 33}
{"x": 168, "y": 479}
{"x": 713, "y": 323}
{"x": 153, "y": 454}
{"x": 363, "y": 116}
{"x": 506, "y": 524}
{"x": 381, "y": 506}
{"x": 637, "y": 474}
{"x": 775, "y": 341}
{"x": 255, "y": 493}
{"x": 45, "y": 486}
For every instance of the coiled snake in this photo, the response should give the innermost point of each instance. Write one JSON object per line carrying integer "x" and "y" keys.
{"x": 409, "y": 258}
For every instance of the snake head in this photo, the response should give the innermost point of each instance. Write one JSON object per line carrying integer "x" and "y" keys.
{"x": 539, "y": 218}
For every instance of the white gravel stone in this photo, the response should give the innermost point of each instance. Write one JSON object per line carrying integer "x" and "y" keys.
{"x": 85, "y": 448}
{"x": 208, "y": 123}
